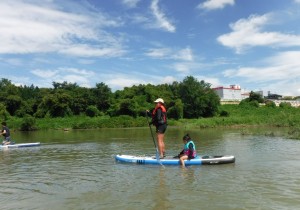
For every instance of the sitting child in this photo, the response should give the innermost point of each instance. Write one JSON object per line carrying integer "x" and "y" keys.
{"x": 189, "y": 150}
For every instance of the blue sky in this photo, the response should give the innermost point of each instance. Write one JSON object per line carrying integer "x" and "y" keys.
{"x": 251, "y": 43}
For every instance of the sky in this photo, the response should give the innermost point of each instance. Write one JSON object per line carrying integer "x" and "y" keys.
{"x": 251, "y": 43}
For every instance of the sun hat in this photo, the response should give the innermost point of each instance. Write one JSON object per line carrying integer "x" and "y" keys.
{"x": 159, "y": 100}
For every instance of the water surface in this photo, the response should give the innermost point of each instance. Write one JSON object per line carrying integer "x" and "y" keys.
{"x": 77, "y": 170}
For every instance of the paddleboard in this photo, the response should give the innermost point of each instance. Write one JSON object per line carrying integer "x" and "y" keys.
{"x": 200, "y": 160}
{"x": 20, "y": 145}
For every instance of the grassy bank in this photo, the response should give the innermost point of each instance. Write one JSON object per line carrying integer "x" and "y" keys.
{"x": 231, "y": 116}
{"x": 250, "y": 116}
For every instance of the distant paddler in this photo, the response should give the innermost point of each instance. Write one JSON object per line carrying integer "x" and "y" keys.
{"x": 6, "y": 134}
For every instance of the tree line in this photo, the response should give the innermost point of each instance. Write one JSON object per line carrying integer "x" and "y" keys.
{"x": 187, "y": 99}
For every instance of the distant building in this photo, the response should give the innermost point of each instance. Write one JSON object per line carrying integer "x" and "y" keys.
{"x": 232, "y": 93}
{"x": 273, "y": 96}
{"x": 260, "y": 92}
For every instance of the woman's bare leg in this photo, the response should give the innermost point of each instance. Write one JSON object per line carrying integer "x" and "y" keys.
{"x": 161, "y": 143}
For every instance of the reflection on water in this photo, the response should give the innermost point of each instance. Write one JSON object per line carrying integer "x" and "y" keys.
{"x": 77, "y": 170}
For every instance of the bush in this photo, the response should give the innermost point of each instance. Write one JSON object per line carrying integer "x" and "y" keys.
{"x": 92, "y": 111}
{"x": 28, "y": 123}
{"x": 224, "y": 113}
{"x": 285, "y": 105}
{"x": 270, "y": 104}
{"x": 248, "y": 103}
{"x": 3, "y": 112}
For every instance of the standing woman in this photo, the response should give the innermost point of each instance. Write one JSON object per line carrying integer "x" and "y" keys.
{"x": 159, "y": 119}
{"x": 6, "y": 133}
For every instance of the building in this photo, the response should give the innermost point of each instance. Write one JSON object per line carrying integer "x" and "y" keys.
{"x": 273, "y": 96}
{"x": 232, "y": 93}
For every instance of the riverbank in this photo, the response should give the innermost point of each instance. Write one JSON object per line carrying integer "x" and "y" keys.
{"x": 230, "y": 116}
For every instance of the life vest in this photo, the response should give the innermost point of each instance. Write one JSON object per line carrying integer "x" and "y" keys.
{"x": 163, "y": 119}
{"x": 187, "y": 151}
{"x": 7, "y": 132}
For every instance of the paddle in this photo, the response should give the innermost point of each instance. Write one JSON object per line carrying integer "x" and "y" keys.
{"x": 157, "y": 153}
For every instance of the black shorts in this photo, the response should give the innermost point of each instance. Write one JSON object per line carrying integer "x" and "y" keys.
{"x": 161, "y": 128}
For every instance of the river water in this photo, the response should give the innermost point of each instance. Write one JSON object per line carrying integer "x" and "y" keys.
{"x": 77, "y": 170}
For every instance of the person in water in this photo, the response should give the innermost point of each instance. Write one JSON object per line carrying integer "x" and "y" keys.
{"x": 159, "y": 120}
{"x": 189, "y": 150}
{"x": 6, "y": 134}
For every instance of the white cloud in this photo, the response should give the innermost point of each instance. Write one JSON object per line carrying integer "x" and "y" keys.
{"x": 81, "y": 77}
{"x": 215, "y": 82}
{"x": 86, "y": 61}
{"x": 42, "y": 28}
{"x": 161, "y": 20}
{"x": 215, "y": 4}
{"x": 282, "y": 68}
{"x": 84, "y": 50}
{"x": 130, "y": 3}
{"x": 182, "y": 67}
{"x": 44, "y": 73}
{"x": 185, "y": 54}
{"x": 119, "y": 81}
{"x": 159, "y": 53}
{"x": 249, "y": 32}
{"x": 12, "y": 61}
{"x": 297, "y": 1}
{"x": 168, "y": 80}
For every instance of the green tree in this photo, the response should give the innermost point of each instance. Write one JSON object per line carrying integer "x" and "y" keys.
{"x": 3, "y": 112}
{"x": 256, "y": 97}
{"x": 285, "y": 105}
{"x": 13, "y": 103}
{"x": 92, "y": 111}
{"x": 176, "y": 111}
{"x": 57, "y": 105}
{"x": 128, "y": 107}
{"x": 81, "y": 100}
{"x": 102, "y": 94}
{"x": 270, "y": 104}
{"x": 198, "y": 98}
{"x": 253, "y": 100}
{"x": 28, "y": 123}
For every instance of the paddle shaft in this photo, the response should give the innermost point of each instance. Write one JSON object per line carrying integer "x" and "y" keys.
{"x": 157, "y": 155}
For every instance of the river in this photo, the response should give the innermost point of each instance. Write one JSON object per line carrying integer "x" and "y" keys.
{"x": 76, "y": 170}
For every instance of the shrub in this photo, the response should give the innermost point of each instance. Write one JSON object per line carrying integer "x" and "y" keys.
{"x": 285, "y": 105}
{"x": 224, "y": 113}
{"x": 28, "y": 123}
{"x": 92, "y": 111}
{"x": 270, "y": 104}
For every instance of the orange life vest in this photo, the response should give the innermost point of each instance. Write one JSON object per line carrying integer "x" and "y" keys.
{"x": 163, "y": 119}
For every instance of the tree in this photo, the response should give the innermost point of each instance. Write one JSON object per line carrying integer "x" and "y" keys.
{"x": 128, "y": 107}
{"x": 81, "y": 100}
{"x": 101, "y": 96}
{"x": 176, "y": 111}
{"x": 3, "y": 112}
{"x": 198, "y": 98}
{"x": 253, "y": 100}
{"x": 13, "y": 103}
{"x": 57, "y": 104}
{"x": 270, "y": 104}
{"x": 92, "y": 111}
{"x": 285, "y": 105}
{"x": 256, "y": 97}
{"x": 28, "y": 123}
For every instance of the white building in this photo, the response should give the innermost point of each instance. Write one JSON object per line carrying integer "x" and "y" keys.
{"x": 232, "y": 93}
